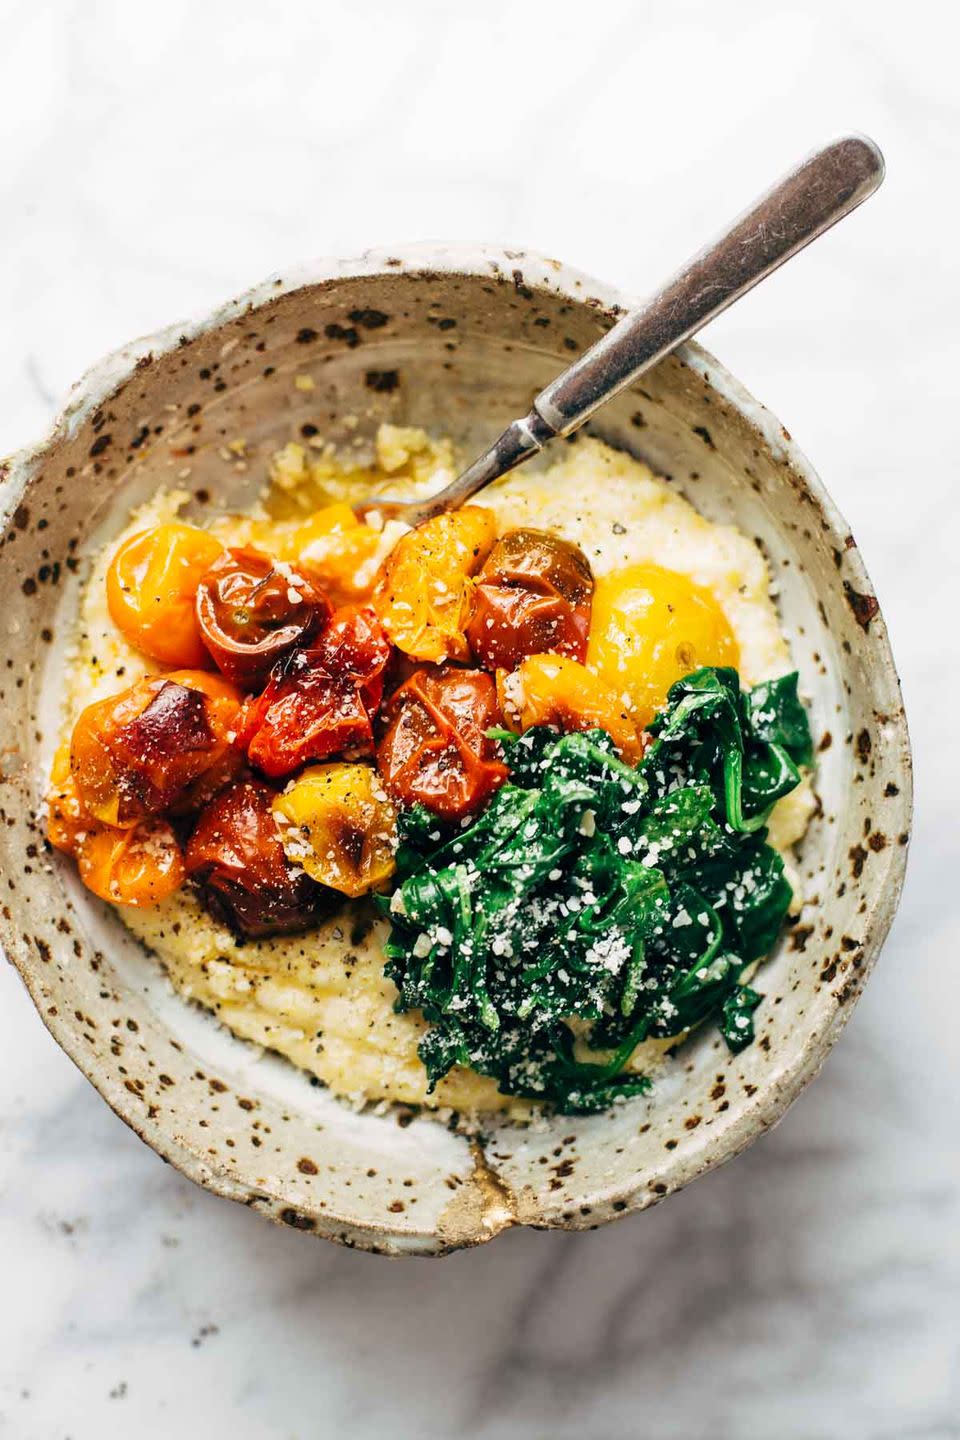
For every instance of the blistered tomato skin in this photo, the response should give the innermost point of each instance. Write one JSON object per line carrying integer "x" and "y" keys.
{"x": 435, "y": 751}
{"x": 320, "y": 701}
{"x": 252, "y": 611}
{"x": 533, "y": 595}
{"x": 337, "y": 823}
{"x": 554, "y": 690}
{"x": 145, "y": 750}
{"x": 151, "y": 591}
{"x": 237, "y": 861}
{"x": 424, "y": 592}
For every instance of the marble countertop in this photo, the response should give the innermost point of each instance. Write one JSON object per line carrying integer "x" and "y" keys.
{"x": 154, "y": 160}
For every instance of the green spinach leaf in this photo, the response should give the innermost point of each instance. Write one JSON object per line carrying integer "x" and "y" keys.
{"x": 625, "y": 902}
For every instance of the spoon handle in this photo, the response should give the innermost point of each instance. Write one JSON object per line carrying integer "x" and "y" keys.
{"x": 822, "y": 189}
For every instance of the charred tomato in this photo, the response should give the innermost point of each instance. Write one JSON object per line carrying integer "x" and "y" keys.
{"x": 252, "y": 611}
{"x": 533, "y": 595}
{"x": 320, "y": 701}
{"x": 155, "y": 746}
{"x": 237, "y": 861}
{"x": 435, "y": 750}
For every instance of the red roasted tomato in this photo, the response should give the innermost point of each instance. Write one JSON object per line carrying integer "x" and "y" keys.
{"x": 238, "y": 863}
{"x": 435, "y": 750}
{"x": 252, "y": 611}
{"x": 533, "y": 595}
{"x": 320, "y": 701}
{"x": 154, "y": 746}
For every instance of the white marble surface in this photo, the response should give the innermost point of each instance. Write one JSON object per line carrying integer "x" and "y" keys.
{"x": 156, "y": 158}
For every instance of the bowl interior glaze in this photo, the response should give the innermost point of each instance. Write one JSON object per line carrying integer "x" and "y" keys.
{"x": 458, "y": 341}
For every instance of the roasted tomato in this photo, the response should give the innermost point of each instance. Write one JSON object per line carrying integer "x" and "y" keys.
{"x": 337, "y": 823}
{"x": 424, "y": 591}
{"x": 151, "y": 589}
{"x": 243, "y": 876}
{"x": 153, "y": 746}
{"x": 435, "y": 750}
{"x": 139, "y": 867}
{"x": 650, "y": 627}
{"x": 320, "y": 701}
{"x": 252, "y": 611}
{"x": 533, "y": 595}
{"x": 339, "y": 552}
{"x": 66, "y": 817}
{"x": 553, "y": 690}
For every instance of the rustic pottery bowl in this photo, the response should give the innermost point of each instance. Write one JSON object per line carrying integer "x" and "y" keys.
{"x": 457, "y": 340}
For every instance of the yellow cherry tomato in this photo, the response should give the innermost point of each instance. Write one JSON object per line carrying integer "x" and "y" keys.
{"x": 151, "y": 591}
{"x": 555, "y": 690}
{"x": 650, "y": 627}
{"x": 339, "y": 551}
{"x": 424, "y": 592}
{"x": 338, "y": 825}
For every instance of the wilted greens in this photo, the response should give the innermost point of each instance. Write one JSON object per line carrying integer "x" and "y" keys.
{"x": 631, "y": 900}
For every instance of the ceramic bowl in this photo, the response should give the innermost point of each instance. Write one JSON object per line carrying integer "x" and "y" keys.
{"x": 457, "y": 340}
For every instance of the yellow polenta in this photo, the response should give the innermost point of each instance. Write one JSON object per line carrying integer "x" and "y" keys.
{"x": 321, "y": 999}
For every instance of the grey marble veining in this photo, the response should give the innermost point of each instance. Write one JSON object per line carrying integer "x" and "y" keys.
{"x": 153, "y": 160}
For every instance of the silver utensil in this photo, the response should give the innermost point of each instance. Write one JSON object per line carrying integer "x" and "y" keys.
{"x": 822, "y": 189}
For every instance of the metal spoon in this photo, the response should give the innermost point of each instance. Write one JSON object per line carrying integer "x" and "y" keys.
{"x": 820, "y": 191}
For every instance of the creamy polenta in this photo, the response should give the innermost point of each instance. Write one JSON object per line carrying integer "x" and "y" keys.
{"x": 321, "y": 998}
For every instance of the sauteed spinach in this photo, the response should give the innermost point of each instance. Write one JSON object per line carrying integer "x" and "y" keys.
{"x": 629, "y": 901}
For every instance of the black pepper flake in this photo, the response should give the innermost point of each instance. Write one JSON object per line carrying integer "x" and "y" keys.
{"x": 101, "y": 443}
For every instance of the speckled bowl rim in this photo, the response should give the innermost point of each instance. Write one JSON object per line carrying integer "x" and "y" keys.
{"x": 425, "y": 261}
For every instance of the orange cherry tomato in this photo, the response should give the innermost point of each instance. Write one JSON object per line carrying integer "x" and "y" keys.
{"x": 321, "y": 701}
{"x": 224, "y": 709}
{"x": 136, "y": 867}
{"x": 66, "y": 817}
{"x": 554, "y": 690}
{"x": 425, "y": 588}
{"x": 435, "y": 751}
{"x": 337, "y": 550}
{"x": 151, "y": 591}
{"x": 533, "y": 595}
{"x": 155, "y": 746}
